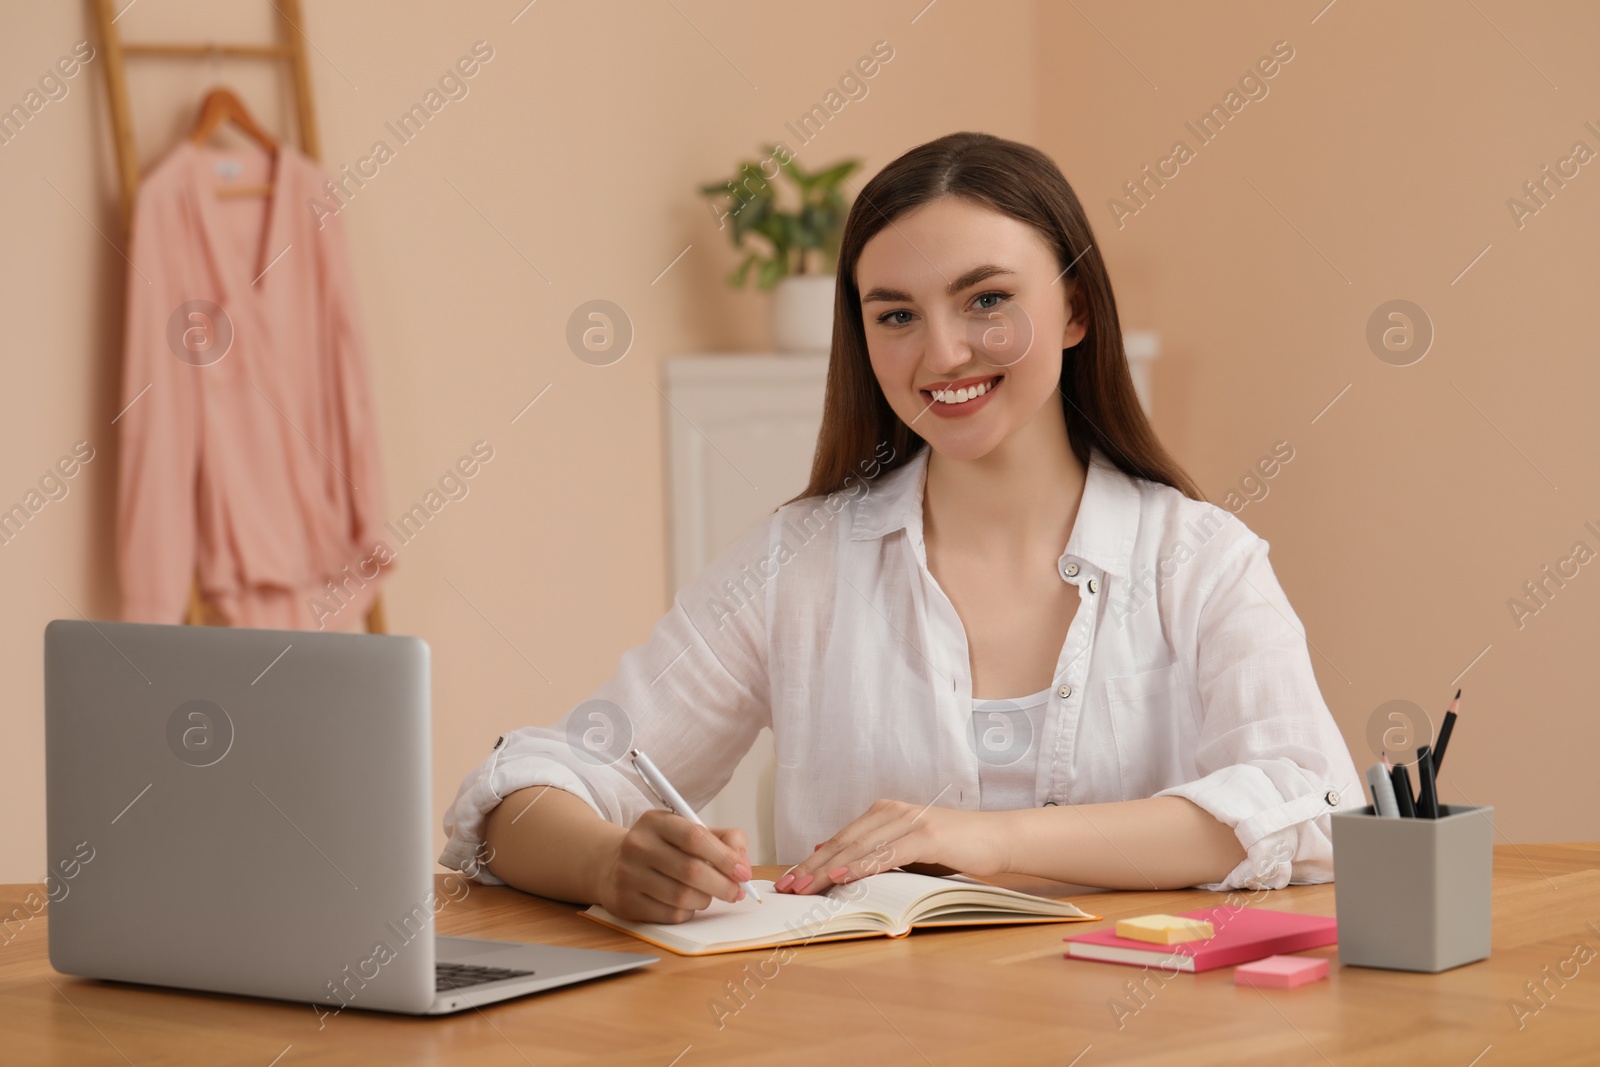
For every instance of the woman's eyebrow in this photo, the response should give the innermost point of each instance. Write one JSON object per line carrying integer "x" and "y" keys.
{"x": 966, "y": 281}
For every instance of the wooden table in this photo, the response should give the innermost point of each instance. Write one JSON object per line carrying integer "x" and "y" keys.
{"x": 977, "y": 996}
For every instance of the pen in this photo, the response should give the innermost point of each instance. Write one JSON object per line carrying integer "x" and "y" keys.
{"x": 673, "y": 799}
{"x": 1444, "y": 733}
{"x": 1402, "y": 791}
{"x": 1427, "y": 798}
{"x": 1383, "y": 802}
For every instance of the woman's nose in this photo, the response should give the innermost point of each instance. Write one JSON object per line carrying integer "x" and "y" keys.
{"x": 947, "y": 348}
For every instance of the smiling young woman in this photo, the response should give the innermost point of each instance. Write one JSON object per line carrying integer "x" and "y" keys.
{"x": 949, "y": 656}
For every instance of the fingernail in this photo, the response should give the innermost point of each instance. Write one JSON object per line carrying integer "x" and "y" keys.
{"x": 801, "y": 883}
{"x": 784, "y": 883}
{"x": 838, "y": 873}
{"x": 741, "y": 872}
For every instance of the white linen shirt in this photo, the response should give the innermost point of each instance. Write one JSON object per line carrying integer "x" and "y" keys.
{"x": 1184, "y": 673}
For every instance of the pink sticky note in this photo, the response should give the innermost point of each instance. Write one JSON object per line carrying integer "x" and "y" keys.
{"x": 1281, "y": 972}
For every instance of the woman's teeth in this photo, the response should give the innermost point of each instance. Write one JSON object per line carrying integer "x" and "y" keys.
{"x": 961, "y": 396}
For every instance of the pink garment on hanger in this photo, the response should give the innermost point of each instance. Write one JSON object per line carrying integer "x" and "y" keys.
{"x": 261, "y": 467}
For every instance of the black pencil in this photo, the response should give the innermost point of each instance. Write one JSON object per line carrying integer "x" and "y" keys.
{"x": 1402, "y": 791}
{"x": 1444, "y": 733}
{"x": 1427, "y": 796}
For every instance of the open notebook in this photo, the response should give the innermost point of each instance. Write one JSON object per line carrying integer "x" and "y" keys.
{"x": 888, "y": 904}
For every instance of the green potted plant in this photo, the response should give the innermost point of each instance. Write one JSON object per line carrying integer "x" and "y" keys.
{"x": 791, "y": 251}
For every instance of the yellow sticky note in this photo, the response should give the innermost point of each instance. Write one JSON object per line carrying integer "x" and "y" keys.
{"x": 1164, "y": 929}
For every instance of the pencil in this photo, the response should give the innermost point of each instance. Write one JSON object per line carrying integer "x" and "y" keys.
{"x": 1444, "y": 733}
{"x": 1427, "y": 798}
{"x": 1402, "y": 791}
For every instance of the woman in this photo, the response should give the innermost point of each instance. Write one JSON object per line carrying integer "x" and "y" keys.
{"x": 1000, "y": 631}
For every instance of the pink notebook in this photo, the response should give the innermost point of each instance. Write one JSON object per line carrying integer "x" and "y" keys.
{"x": 1242, "y": 935}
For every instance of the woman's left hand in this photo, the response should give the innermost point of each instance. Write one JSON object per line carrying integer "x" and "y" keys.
{"x": 894, "y": 833}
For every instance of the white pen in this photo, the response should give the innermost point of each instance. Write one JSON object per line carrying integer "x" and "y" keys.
{"x": 1383, "y": 796}
{"x": 672, "y": 799}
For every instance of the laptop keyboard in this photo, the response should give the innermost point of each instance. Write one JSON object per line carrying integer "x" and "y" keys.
{"x": 452, "y": 976}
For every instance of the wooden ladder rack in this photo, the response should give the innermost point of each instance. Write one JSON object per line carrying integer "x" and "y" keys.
{"x": 291, "y": 51}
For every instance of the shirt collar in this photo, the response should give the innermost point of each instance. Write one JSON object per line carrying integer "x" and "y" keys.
{"x": 1102, "y": 534}
{"x": 238, "y": 279}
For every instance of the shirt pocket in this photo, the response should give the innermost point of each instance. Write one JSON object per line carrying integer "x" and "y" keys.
{"x": 1155, "y": 729}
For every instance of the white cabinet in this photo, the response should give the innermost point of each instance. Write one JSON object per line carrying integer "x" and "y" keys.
{"x": 741, "y": 431}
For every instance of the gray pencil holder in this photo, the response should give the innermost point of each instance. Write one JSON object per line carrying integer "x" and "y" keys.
{"x": 1413, "y": 894}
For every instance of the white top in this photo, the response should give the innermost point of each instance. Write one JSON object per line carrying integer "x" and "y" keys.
{"x": 1008, "y": 761}
{"x": 1185, "y": 672}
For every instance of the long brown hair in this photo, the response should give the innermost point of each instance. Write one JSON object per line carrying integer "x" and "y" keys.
{"x": 1097, "y": 393}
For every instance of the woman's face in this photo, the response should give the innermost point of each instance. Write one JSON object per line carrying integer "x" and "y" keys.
{"x": 961, "y": 301}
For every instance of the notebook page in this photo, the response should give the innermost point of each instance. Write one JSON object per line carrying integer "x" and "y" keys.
{"x": 774, "y": 918}
{"x": 895, "y": 892}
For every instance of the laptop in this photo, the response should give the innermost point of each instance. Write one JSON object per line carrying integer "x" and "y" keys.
{"x": 249, "y": 811}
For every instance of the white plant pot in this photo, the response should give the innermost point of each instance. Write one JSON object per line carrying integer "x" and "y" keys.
{"x": 802, "y": 313}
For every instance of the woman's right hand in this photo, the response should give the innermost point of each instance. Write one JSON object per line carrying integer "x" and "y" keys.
{"x": 666, "y": 868}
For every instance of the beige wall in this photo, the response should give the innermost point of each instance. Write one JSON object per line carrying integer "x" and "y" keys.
{"x": 1415, "y": 507}
{"x": 1390, "y": 141}
{"x": 583, "y": 140}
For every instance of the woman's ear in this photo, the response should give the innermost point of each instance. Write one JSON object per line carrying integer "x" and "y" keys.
{"x": 1077, "y": 327}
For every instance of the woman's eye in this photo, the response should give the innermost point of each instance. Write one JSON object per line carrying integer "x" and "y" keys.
{"x": 999, "y": 298}
{"x": 883, "y": 320}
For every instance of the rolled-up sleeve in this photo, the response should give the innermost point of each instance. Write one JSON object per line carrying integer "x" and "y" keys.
{"x": 1272, "y": 762}
{"x": 693, "y": 696}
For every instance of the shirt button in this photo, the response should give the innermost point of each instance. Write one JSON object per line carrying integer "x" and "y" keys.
{"x": 1094, "y": 587}
{"x": 1064, "y": 692}
{"x": 1332, "y": 798}
{"x": 1069, "y": 570}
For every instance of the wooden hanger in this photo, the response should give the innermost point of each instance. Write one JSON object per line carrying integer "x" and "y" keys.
{"x": 220, "y": 106}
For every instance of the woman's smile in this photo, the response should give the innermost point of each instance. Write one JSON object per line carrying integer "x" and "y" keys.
{"x": 962, "y": 397}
